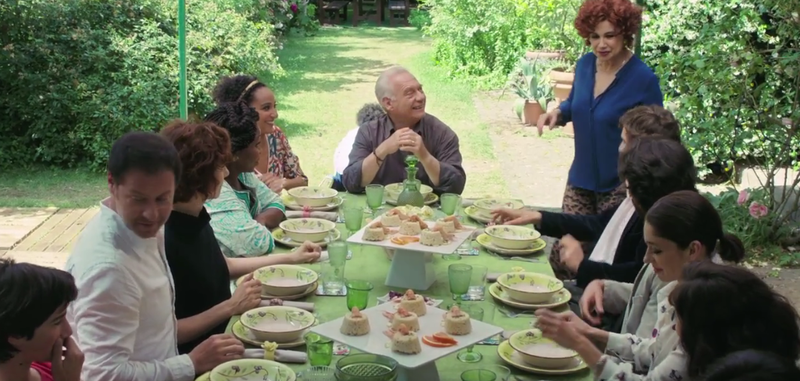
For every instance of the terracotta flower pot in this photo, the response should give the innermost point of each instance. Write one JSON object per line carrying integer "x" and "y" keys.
{"x": 531, "y": 113}
{"x": 561, "y": 91}
{"x": 559, "y": 76}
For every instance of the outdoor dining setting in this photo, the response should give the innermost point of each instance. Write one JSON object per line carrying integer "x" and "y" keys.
{"x": 496, "y": 275}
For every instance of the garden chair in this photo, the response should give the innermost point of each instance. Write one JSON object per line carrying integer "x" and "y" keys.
{"x": 400, "y": 8}
{"x": 365, "y": 10}
{"x": 335, "y": 10}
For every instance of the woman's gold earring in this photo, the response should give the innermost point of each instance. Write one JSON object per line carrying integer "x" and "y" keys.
{"x": 236, "y": 158}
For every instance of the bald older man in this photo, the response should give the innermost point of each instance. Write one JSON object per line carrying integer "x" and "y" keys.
{"x": 381, "y": 146}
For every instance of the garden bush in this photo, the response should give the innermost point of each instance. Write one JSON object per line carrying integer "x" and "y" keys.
{"x": 484, "y": 39}
{"x": 77, "y": 74}
{"x": 731, "y": 69}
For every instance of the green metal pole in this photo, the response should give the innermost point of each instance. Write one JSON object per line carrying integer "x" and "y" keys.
{"x": 182, "y": 57}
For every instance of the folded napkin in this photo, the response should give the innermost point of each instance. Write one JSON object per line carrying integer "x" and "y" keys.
{"x": 281, "y": 355}
{"x": 330, "y": 216}
{"x": 278, "y": 302}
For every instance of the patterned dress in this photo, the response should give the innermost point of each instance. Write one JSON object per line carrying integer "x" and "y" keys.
{"x": 233, "y": 217}
{"x": 657, "y": 358}
{"x": 282, "y": 162}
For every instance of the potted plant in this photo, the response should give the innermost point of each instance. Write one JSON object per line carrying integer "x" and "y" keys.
{"x": 562, "y": 75}
{"x": 530, "y": 84}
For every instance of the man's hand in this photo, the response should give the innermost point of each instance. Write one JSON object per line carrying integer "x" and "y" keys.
{"x": 571, "y": 252}
{"x": 215, "y": 350}
{"x": 66, "y": 360}
{"x": 307, "y": 253}
{"x": 410, "y": 141}
{"x": 391, "y": 145}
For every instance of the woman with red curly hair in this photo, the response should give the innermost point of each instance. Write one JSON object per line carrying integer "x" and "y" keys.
{"x": 202, "y": 274}
{"x": 609, "y": 81}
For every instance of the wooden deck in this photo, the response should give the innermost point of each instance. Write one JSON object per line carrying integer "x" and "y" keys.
{"x": 49, "y": 243}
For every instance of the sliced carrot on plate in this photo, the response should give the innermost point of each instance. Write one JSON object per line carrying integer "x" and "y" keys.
{"x": 429, "y": 340}
{"x": 444, "y": 338}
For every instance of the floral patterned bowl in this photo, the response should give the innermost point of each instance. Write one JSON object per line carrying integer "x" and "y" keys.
{"x": 283, "y": 280}
{"x": 280, "y": 324}
{"x": 313, "y": 196}
{"x": 531, "y": 288}
{"x": 393, "y": 191}
{"x": 252, "y": 370}
{"x": 484, "y": 207}
{"x": 307, "y": 229}
{"x": 541, "y": 352}
{"x": 512, "y": 237}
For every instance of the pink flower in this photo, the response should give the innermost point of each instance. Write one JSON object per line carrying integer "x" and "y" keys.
{"x": 757, "y": 210}
{"x": 743, "y": 197}
{"x": 294, "y": 8}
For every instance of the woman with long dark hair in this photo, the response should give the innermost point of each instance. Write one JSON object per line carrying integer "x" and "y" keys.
{"x": 680, "y": 228}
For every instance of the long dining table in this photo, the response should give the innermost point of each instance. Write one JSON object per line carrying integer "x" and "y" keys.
{"x": 370, "y": 263}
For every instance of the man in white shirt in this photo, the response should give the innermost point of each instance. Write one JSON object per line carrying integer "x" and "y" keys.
{"x": 123, "y": 317}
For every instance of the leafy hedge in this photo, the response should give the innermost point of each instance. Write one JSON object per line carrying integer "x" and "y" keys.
{"x": 731, "y": 68}
{"x": 485, "y": 38}
{"x": 77, "y": 74}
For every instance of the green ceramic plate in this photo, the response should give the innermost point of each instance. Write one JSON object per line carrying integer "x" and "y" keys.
{"x": 280, "y": 237}
{"x": 431, "y": 198}
{"x": 252, "y": 370}
{"x": 559, "y": 299}
{"x": 486, "y": 241}
{"x": 513, "y": 358}
{"x": 472, "y": 212}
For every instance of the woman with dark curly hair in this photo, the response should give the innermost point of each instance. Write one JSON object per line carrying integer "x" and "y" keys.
{"x": 752, "y": 365}
{"x": 246, "y": 208}
{"x": 609, "y": 81}
{"x": 278, "y": 167}
{"x": 681, "y": 228}
{"x": 201, "y": 273}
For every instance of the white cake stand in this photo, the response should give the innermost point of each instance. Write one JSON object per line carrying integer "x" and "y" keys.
{"x": 421, "y": 366}
{"x": 409, "y": 269}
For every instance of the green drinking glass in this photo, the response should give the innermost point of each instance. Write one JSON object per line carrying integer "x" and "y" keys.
{"x": 374, "y": 196}
{"x": 467, "y": 355}
{"x": 459, "y": 275}
{"x": 319, "y": 350}
{"x": 478, "y": 375}
{"x": 353, "y": 218}
{"x": 337, "y": 253}
{"x": 449, "y": 203}
{"x": 358, "y": 294}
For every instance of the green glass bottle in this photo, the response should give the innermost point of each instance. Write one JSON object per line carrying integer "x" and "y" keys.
{"x": 411, "y": 186}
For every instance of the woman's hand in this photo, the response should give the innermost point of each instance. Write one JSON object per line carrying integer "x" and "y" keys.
{"x": 516, "y": 216}
{"x": 548, "y": 119}
{"x": 565, "y": 328}
{"x": 571, "y": 252}
{"x": 592, "y": 302}
{"x": 274, "y": 183}
{"x": 247, "y": 296}
{"x": 307, "y": 253}
{"x": 66, "y": 360}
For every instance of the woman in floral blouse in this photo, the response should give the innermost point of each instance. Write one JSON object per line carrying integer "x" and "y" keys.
{"x": 680, "y": 228}
{"x": 278, "y": 167}
{"x": 246, "y": 209}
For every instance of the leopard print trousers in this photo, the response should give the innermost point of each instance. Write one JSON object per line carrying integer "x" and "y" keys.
{"x": 583, "y": 202}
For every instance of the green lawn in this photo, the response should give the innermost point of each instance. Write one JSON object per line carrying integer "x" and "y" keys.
{"x": 329, "y": 77}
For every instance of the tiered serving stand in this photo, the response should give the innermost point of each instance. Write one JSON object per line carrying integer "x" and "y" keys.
{"x": 409, "y": 268}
